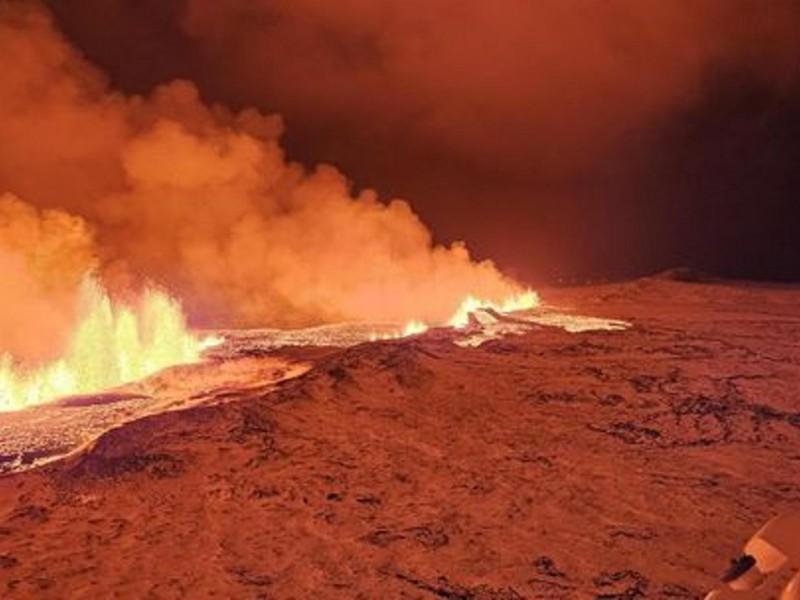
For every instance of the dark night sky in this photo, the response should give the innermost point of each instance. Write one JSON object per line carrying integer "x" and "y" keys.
{"x": 595, "y": 140}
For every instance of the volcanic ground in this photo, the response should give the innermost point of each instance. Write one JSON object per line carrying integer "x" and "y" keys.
{"x": 542, "y": 463}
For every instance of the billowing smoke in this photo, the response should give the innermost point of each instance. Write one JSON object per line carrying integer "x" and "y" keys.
{"x": 542, "y": 87}
{"x": 44, "y": 255}
{"x": 194, "y": 197}
{"x": 582, "y": 138}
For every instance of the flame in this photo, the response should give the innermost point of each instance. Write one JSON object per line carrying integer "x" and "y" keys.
{"x": 115, "y": 344}
{"x": 522, "y": 301}
{"x": 111, "y": 345}
{"x": 414, "y": 328}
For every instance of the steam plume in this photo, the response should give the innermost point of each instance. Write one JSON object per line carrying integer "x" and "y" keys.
{"x": 43, "y": 257}
{"x": 198, "y": 198}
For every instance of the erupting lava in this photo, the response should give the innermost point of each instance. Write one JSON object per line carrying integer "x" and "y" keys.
{"x": 92, "y": 180}
{"x": 523, "y": 301}
{"x": 115, "y": 344}
{"x": 111, "y": 345}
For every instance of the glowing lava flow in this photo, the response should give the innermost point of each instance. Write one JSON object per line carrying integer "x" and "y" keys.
{"x": 413, "y": 328}
{"x": 523, "y": 301}
{"x": 111, "y": 345}
{"x": 460, "y": 319}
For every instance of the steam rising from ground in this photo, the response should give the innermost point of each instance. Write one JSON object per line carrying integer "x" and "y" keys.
{"x": 43, "y": 256}
{"x": 196, "y": 197}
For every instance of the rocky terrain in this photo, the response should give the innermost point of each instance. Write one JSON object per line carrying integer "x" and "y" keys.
{"x": 615, "y": 464}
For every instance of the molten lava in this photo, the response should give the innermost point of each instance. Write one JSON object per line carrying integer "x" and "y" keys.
{"x": 112, "y": 344}
{"x": 525, "y": 300}
{"x": 522, "y": 301}
{"x": 115, "y": 344}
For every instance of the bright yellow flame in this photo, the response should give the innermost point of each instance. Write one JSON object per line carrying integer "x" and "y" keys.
{"x": 523, "y": 301}
{"x": 414, "y": 328}
{"x": 110, "y": 346}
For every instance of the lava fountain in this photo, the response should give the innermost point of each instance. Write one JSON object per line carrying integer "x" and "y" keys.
{"x": 111, "y": 345}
